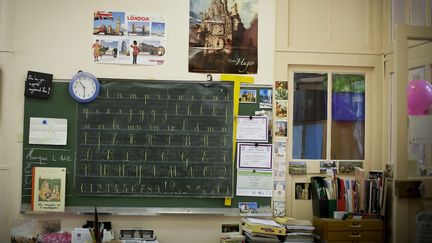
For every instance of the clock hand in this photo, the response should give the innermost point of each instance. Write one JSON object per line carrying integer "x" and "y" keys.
{"x": 81, "y": 84}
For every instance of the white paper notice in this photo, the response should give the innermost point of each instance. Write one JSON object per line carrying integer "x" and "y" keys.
{"x": 419, "y": 129}
{"x": 254, "y": 156}
{"x": 252, "y": 129}
{"x": 254, "y": 183}
{"x": 51, "y": 131}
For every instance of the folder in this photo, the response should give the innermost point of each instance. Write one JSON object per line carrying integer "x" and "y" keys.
{"x": 272, "y": 229}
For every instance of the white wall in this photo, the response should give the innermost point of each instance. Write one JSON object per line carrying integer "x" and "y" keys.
{"x": 56, "y": 37}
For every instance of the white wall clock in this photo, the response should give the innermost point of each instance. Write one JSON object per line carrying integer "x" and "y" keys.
{"x": 84, "y": 87}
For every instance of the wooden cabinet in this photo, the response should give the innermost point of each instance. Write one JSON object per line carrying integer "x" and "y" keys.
{"x": 338, "y": 231}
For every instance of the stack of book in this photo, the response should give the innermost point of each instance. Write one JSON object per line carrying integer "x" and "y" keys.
{"x": 363, "y": 195}
{"x": 298, "y": 230}
{"x": 261, "y": 230}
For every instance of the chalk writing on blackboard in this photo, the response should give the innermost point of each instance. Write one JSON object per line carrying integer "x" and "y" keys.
{"x": 38, "y": 84}
{"x": 42, "y": 157}
{"x": 156, "y": 139}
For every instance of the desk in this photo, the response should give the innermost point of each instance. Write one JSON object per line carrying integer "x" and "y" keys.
{"x": 337, "y": 231}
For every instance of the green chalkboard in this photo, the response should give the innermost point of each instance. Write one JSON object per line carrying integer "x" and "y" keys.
{"x": 141, "y": 144}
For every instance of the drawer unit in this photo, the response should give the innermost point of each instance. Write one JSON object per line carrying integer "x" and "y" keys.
{"x": 334, "y": 230}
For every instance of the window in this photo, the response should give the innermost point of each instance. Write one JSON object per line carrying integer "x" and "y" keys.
{"x": 320, "y": 134}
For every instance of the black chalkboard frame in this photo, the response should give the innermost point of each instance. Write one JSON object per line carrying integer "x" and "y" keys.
{"x": 61, "y": 105}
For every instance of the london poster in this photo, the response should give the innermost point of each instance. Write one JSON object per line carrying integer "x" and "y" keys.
{"x": 223, "y": 36}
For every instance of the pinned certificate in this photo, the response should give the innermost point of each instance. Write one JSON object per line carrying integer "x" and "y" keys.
{"x": 49, "y": 131}
{"x": 254, "y": 156}
{"x": 252, "y": 129}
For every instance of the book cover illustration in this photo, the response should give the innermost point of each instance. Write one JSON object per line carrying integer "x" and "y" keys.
{"x": 48, "y": 189}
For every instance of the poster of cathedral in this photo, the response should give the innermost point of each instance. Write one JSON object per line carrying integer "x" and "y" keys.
{"x": 223, "y": 36}
{"x": 128, "y": 38}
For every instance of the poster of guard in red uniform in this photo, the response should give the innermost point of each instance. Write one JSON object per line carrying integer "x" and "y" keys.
{"x": 128, "y": 38}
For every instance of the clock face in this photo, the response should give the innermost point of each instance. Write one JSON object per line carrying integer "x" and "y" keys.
{"x": 84, "y": 87}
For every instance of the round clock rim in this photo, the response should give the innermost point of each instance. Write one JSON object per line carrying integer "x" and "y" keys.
{"x": 87, "y": 75}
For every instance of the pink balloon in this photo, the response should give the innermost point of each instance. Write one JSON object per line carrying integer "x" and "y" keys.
{"x": 419, "y": 97}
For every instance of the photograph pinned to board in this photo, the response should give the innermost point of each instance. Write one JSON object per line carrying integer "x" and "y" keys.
{"x": 223, "y": 36}
{"x": 48, "y": 189}
{"x": 281, "y": 108}
{"x": 128, "y": 38}
{"x": 255, "y": 183}
{"x": 281, "y": 128}
{"x": 254, "y": 156}
{"x": 248, "y": 96}
{"x": 252, "y": 129}
{"x": 297, "y": 167}
{"x": 265, "y": 99}
{"x": 248, "y": 207}
{"x": 348, "y": 167}
{"x": 281, "y": 90}
{"x": 302, "y": 191}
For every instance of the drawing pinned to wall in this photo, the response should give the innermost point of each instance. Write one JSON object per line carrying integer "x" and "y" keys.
{"x": 281, "y": 90}
{"x": 125, "y": 38}
{"x": 281, "y": 128}
{"x": 279, "y": 189}
{"x": 279, "y": 208}
{"x": 279, "y": 170}
{"x": 223, "y": 36}
{"x": 280, "y": 149}
{"x": 281, "y": 108}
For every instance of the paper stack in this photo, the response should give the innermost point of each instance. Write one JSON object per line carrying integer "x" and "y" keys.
{"x": 297, "y": 230}
{"x": 261, "y": 230}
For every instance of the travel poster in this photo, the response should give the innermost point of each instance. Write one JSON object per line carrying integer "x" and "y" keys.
{"x": 128, "y": 38}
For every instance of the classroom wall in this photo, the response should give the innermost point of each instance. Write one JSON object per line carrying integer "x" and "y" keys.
{"x": 56, "y": 37}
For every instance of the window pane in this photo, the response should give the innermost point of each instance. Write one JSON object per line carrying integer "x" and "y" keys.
{"x": 310, "y": 116}
{"x": 417, "y": 73}
{"x": 348, "y": 116}
{"x": 418, "y": 12}
{"x": 398, "y": 17}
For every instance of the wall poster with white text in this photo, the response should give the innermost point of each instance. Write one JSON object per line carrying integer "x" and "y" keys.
{"x": 128, "y": 38}
{"x": 223, "y": 36}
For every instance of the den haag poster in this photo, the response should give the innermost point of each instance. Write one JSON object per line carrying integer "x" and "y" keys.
{"x": 128, "y": 38}
{"x": 223, "y": 36}
{"x": 48, "y": 189}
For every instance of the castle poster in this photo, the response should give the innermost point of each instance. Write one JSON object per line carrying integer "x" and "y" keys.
{"x": 223, "y": 36}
